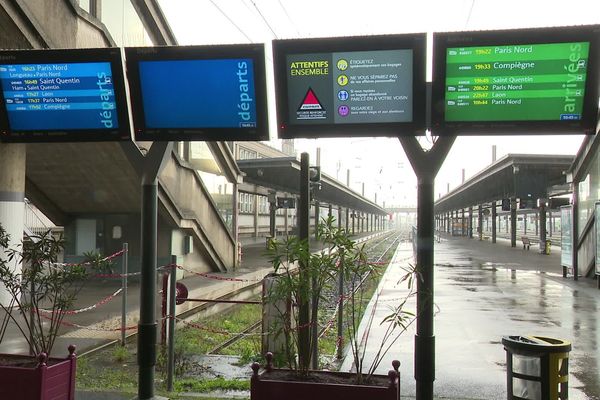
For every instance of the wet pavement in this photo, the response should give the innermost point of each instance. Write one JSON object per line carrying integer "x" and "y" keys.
{"x": 483, "y": 292}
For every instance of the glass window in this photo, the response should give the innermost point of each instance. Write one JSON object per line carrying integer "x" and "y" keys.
{"x": 588, "y": 191}
{"x": 85, "y": 5}
{"x": 246, "y": 202}
{"x": 245, "y": 154}
{"x": 123, "y": 23}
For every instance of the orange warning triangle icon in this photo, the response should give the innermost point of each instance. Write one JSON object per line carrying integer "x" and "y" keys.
{"x": 310, "y": 102}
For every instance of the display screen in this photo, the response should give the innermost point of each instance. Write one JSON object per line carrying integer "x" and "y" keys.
{"x": 544, "y": 82}
{"x": 198, "y": 92}
{"x": 353, "y": 87}
{"x": 361, "y": 86}
{"x": 63, "y": 95}
{"x": 514, "y": 82}
{"x": 59, "y": 96}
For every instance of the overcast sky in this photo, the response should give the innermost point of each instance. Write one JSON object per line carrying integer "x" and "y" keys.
{"x": 381, "y": 163}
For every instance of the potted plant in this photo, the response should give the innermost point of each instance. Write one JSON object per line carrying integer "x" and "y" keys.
{"x": 39, "y": 295}
{"x": 303, "y": 276}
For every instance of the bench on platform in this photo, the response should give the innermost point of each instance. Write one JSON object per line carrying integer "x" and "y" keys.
{"x": 526, "y": 242}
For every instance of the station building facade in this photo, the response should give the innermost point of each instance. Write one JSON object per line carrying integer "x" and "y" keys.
{"x": 584, "y": 176}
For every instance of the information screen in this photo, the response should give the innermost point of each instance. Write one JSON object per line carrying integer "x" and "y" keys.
{"x": 70, "y": 95}
{"x": 544, "y": 82}
{"x": 516, "y": 82}
{"x": 59, "y": 96}
{"x": 198, "y": 92}
{"x": 352, "y": 87}
{"x": 357, "y": 86}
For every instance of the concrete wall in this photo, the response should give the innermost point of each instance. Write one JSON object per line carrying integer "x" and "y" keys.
{"x": 61, "y": 24}
{"x": 197, "y": 212}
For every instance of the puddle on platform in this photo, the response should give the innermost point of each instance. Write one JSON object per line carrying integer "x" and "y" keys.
{"x": 215, "y": 366}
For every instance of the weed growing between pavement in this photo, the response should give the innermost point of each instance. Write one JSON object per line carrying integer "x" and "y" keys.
{"x": 204, "y": 386}
{"x": 204, "y": 335}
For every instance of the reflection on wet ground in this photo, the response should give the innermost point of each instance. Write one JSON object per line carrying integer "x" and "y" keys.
{"x": 479, "y": 301}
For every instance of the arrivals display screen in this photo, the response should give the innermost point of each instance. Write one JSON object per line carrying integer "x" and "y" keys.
{"x": 360, "y": 86}
{"x": 198, "y": 92}
{"x": 63, "y": 95}
{"x": 525, "y": 81}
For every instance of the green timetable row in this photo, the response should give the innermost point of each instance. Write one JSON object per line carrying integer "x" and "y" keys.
{"x": 529, "y": 52}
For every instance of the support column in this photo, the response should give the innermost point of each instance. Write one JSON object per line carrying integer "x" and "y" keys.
{"x": 480, "y": 221}
{"x": 470, "y": 222}
{"x": 256, "y": 220}
{"x": 525, "y": 223}
{"x": 235, "y": 223}
{"x": 513, "y": 222}
{"x": 317, "y": 218}
{"x": 542, "y": 211}
{"x": 462, "y": 222}
{"x": 494, "y": 217}
{"x": 339, "y": 217}
{"x": 147, "y": 325}
{"x": 575, "y": 231}
{"x": 304, "y": 353}
{"x": 286, "y": 224}
{"x": 272, "y": 219}
{"x": 426, "y": 165}
{"x": 12, "y": 198}
{"x": 347, "y": 219}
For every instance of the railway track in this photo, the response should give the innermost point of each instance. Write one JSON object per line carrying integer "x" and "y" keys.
{"x": 389, "y": 242}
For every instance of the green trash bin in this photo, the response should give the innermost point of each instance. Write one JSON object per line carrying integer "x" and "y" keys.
{"x": 547, "y": 248}
{"x": 537, "y": 368}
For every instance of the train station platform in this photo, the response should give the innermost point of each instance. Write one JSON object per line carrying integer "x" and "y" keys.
{"x": 485, "y": 291}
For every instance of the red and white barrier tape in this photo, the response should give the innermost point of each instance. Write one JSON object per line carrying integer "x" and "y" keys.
{"x": 89, "y": 328}
{"x": 93, "y": 306}
{"x": 107, "y": 258}
{"x": 116, "y": 275}
{"x": 216, "y": 277}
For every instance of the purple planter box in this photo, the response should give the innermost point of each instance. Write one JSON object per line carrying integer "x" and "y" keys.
{"x": 42, "y": 382}
{"x": 266, "y": 387}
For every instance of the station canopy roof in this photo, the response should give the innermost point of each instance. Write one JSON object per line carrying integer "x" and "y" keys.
{"x": 524, "y": 176}
{"x": 283, "y": 174}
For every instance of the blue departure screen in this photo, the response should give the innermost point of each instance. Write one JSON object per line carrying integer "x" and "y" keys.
{"x": 59, "y": 96}
{"x": 216, "y": 93}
